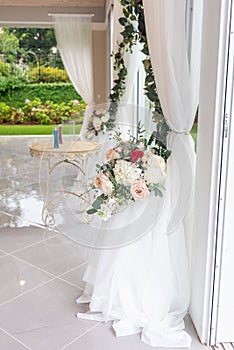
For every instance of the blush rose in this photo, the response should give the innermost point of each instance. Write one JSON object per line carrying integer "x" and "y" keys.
{"x": 103, "y": 183}
{"x": 139, "y": 190}
{"x": 112, "y": 154}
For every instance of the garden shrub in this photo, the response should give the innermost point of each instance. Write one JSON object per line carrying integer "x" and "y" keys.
{"x": 5, "y": 113}
{"x": 4, "y": 68}
{"x": 57, "y": 93}
{"x": 35, "y": 112}
{"x": 48, "y": 75}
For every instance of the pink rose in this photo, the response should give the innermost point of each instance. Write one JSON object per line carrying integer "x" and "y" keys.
{"x": 27, "y": 101}
{"x": 103, "y": 183}
{"x": 139, "y": 190}
{"x": 112, "y": 154}
{"x": 135, "y": 155}
{"x": 75, "y": 102}
{"x": 97, "y": 127}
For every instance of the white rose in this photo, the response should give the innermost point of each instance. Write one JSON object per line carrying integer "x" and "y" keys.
{"x": 154, "y": 175}
{"x": 97, "y": 122}
{"x": 107, "y": 187}
{"x": 105, "y": 118}
{"x": 152, "y": 160}
{"x": 157, "y": 161}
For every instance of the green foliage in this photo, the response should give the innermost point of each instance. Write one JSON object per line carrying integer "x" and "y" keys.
{"x": 133, "y": 11}
{"x": 48, "y": 75}
{"x": 9, "y": 83}
{"x": 5, "y": 69}
{"x": 38, "y": 113}
{"x": 39, "y": 42}
{"x": 9, "y": 45}
{"x": 56, "y": 93}
{"x": 5, "y": 113}
{"x": 11, "y": 76}
{"x": 35, "y": 38}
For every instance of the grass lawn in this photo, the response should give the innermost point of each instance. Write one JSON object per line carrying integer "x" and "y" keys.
{"x": 48, "y": 130}
{"x": 34, "y": 129}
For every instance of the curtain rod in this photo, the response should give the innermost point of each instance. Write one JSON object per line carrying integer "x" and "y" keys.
{"x": 72, "y": 14}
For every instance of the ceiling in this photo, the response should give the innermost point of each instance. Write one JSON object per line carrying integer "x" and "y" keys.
{"x": 34, "y": 13}
{"x": 54, "y": 3}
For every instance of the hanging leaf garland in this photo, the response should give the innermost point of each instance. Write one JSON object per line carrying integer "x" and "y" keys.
{"x": 133, "y": 11}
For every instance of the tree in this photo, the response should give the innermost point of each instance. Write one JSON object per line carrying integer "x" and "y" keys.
{"x": 9, "y": 46}
{"x": 36, "y": 43}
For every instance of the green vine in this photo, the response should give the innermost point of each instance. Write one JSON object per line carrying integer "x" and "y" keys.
{"x": 133, "y": 11}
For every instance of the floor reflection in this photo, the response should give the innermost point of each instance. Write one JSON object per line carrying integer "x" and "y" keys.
{"x": 23, "y": 182}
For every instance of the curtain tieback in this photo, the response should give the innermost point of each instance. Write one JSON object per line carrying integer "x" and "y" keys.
{"x": 179, "y": 132}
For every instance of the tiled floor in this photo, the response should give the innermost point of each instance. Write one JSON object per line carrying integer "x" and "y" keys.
{"x": 41, "y": 269}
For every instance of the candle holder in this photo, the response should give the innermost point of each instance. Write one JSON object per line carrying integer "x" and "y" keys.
{"x": 56, "y": 139}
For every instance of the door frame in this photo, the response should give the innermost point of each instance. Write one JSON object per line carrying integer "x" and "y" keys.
{"x": 210, "y": 143}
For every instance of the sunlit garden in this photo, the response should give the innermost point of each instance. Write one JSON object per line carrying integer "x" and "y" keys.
{"x": 35, "y": 91}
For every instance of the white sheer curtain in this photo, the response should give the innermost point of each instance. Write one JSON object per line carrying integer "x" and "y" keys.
{"x": 177, "y": 74}
{"x": 144, "y": 286}
{"x": 74, "y": 38}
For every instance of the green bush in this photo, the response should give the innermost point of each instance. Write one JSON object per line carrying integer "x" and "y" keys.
{"x": 11, "y": 76}
{"x": 5, "y": 113}
{"x": 48, "y": 75}
{"x": 57, "y": 93}
{"x": 35, "y": 112}
{"x": 5, "y": 68}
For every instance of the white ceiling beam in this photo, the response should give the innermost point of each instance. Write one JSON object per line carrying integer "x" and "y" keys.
{"x": 54, "y": 3}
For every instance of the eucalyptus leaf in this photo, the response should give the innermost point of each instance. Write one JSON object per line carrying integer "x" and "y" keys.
{"x": 97, "y": 203}
{"x": 91, "y": 211}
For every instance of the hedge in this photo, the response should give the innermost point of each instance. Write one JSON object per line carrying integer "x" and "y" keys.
{"x": 57, "y": 93}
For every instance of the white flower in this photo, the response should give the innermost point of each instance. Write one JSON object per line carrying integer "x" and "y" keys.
{"x": 97, "y": 122}
{"x": 105, "y": 118}
{"x": 104, "y": 129}
{"x": 107, "y": 187}
{"x": 152, "y": 160}
{"x": 112, "y": 204}
{"x": 154, "y": 175}
{"x": 155, "y": 168}
{"x": 105, "y": 212}
{"x": 108, "y": 208}
{"x": 126, "y": 172}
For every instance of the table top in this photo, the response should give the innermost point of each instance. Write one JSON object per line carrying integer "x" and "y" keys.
{"x": 66, "y": 150}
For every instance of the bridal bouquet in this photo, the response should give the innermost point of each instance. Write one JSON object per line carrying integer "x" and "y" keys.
{"x": 131, "y": 172}
{"x": 99, "y": 121}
